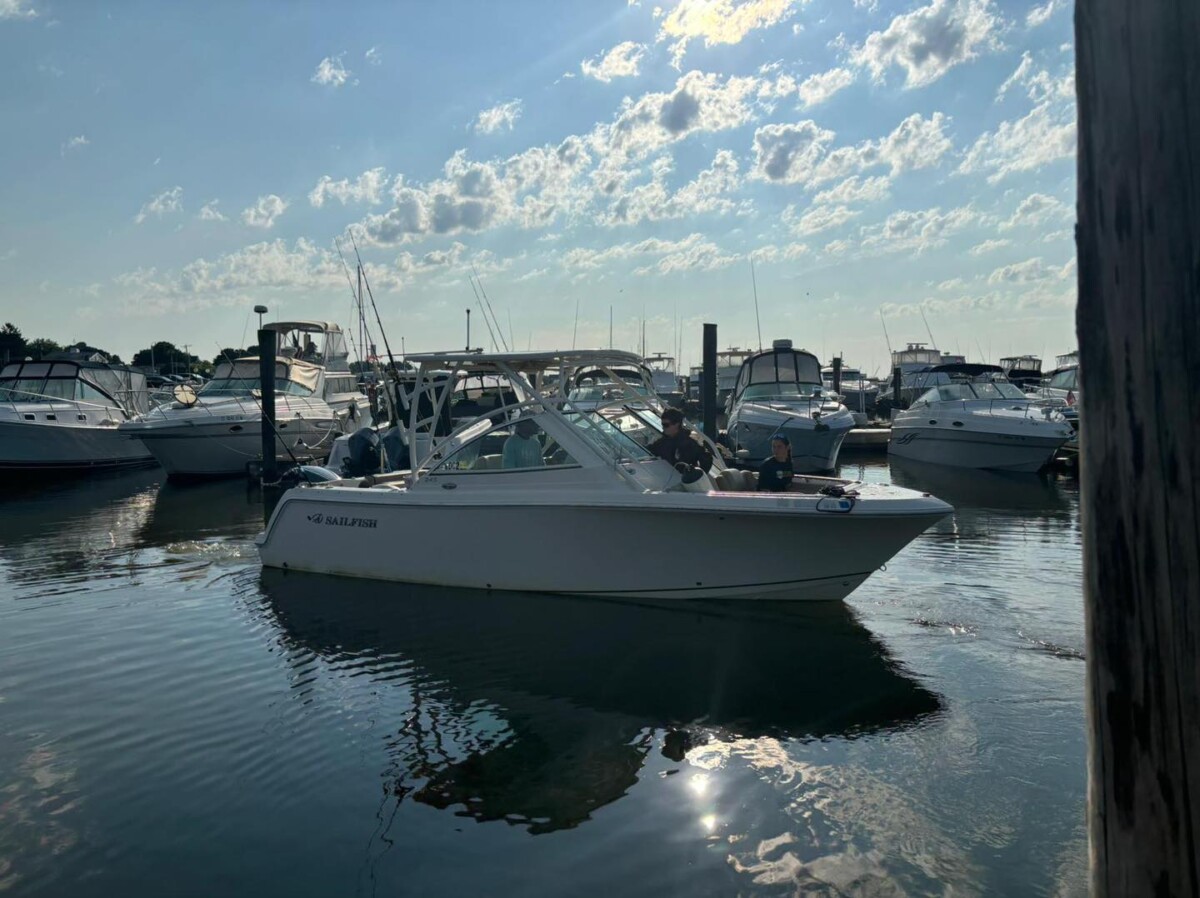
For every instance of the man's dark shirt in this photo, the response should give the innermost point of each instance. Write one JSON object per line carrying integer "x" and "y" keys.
{"x": 775, "y": 476}
{"x": 682, "y": 448}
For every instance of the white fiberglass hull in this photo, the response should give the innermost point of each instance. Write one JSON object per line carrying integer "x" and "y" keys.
{"x": 216, "y": 449}
{"x": 814, "y": 445}
{"x": 965, "y": 448}
{"x": 545, "y": 545}
{"x": 28, "y": 446}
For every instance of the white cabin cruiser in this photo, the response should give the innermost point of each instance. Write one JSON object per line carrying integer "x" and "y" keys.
{"x": 536, "y": 483}
{"x": 779, "y": 390}
{"x": 216, "y": 430}
{"x": 858, "y": 394}
{"x": 664, "y": 380}
{"x": 979, "y": 420}
{"x": 62, "y": 414}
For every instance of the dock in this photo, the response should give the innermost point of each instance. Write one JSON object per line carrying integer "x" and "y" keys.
{"x": 867, "y": 439}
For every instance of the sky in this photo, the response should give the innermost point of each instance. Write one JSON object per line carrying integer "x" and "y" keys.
{"x": 854, "y": 163}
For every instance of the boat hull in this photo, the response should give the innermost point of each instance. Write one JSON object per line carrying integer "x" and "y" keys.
{"x": 216, "y": 450}
{"x": 543, "y": 546}
{"x": 972, "y": 449}
{"x": 65, "y": 447}
{"x": 815, "y": 447}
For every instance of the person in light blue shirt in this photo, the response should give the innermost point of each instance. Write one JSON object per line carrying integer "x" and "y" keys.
{"x": 523, "y": 449}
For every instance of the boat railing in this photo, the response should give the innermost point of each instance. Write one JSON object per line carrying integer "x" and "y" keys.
{"x": 976, "y": 406}
{"x": 55, "y": 405}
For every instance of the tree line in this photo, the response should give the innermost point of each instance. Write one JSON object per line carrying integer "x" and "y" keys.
{"x": 163, "y": 357}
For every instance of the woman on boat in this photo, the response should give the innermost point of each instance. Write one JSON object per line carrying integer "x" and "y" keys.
{"x": 775, "y": 474}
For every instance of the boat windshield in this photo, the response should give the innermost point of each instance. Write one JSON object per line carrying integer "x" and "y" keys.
{"x": 606, "y": 436}
{"x": 246, "y": 387}
{"x": 782, "y": 391}
{"x": 961, "y": 392}
{"x": 39, "y": 389}
{"x": 606, "y": 392}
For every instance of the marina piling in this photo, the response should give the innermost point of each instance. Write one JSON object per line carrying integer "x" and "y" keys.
{"x": 897, "y": 377}
{"x": 837, "y": 374}
{"x": 708, "y": 382}
{"x": 266, "y": 372}
{"x": 1139, "y": 363}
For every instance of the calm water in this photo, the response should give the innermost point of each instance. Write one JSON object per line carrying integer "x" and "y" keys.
{"x": 173, "y": 721}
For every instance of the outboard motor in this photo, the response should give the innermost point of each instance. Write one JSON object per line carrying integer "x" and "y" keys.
{"x": 396, "y": 449}
{"x": 363, "y": 457}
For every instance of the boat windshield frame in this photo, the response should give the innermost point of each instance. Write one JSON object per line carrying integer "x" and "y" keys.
{"x": 972, "y": 391}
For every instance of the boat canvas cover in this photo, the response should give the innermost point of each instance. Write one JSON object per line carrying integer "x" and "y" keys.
{"x": 780, "y": 366}
{"x": 247, "y": 369}
{"x": 126, "y": 386}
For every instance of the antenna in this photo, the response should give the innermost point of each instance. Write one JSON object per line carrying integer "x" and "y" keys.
{"x": 575, "y": 329}
{"x": 490, "y": 310}
{"x": 754, "y": 284}
{"x": 886, "y": 338}
{"x": 932, "y": 342}
{"x": 468, "y": 330}
{"x": 610, "y": 340}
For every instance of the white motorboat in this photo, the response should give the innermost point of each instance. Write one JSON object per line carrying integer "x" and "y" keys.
{"x": 216, "y": 430}
{"x": 979, "y": 420}
{"x": 610, "y": 380}
{"x": 664, "y": 380}
{"x": 857, "y": 393}
{"x": 64, "y": 414}
{"x": 536, "y": 519}
{"x": 779, "y": 390}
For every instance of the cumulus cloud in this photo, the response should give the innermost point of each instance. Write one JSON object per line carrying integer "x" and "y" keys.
{"x": 237, "y": 277}
{"x": 1039, "y": 85}
{"x": 264, "y": 212}
{"x": 74, "y": 143}
{"x": 719, "y": 21}
{"x": 989, "y": 245}
{"x": 1045, "y": 135}
{"x": 817, "y": 219}
{"x": 163, "y": 204}
{"x": 17, "y": 9}
{"x": 855, "y": 190}
{"x": 209, "y": 212}
{"x": 692, "y": 253}
{"x": 816, "y": 89}
{"x": 331, "y": 72}
{"x": 1039, "y": 15}
{"x": 367, "y": 188}
{"x": 1031, "y": 270}
{"x": 621, "y": 61}
{"x": 373, "y": 56}
{"x": 800, "y": 153}
{"x": 501, "y": 117}
{"x": 654, "y": 201}
{"x": 1036, "y": 209}
{"x": 919, "y": 230}
{"x": 928, "y": 42}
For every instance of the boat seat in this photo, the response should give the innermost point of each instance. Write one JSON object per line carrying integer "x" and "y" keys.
{"x": 729, "y": 480}
{"x": 749, "y": 481}
{"x": 487, "y": 463}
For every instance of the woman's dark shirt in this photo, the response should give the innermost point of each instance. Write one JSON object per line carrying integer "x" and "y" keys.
{"x": 775, "y": 476}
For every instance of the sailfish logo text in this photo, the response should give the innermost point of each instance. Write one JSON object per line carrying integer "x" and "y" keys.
{"x": 343, "y": 521}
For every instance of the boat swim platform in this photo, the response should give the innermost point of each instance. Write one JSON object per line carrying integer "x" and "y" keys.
{"x": 867, "y": 439}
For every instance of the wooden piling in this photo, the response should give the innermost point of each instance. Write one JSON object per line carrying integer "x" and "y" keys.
{"x": 1138, "y": 85}
{"x": 708, "y": 381}
{"x": 266, "y": 372}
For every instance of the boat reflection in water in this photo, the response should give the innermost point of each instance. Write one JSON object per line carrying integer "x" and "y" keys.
{"x": 973, "y": 490}
{"x": 202, "y": 510}
{"x": 539, "y": 710}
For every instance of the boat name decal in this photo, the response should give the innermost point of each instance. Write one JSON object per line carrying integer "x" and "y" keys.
{"x": 332, "y": 520}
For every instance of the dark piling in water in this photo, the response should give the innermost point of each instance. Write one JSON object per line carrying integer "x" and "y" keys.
{"x": 837, "y": 374}
{"x": 266, "y": 372}
{"x": 1139, "y": 302}
{"x": 708, "y": 382}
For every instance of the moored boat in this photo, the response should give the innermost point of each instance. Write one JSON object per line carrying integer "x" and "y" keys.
{"x": 64, "y": 414}
{"x": 779, "y": 390}
{"x": 539, "y": 507}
